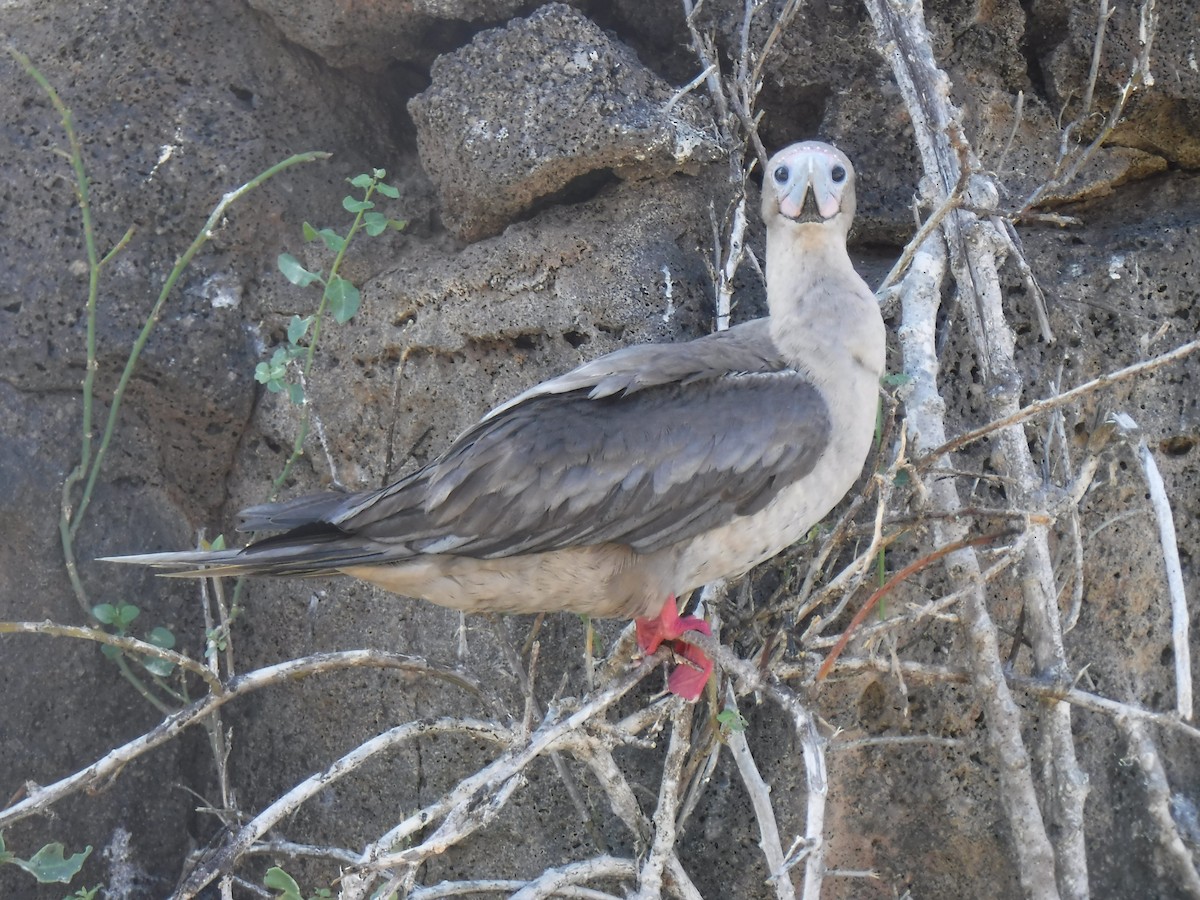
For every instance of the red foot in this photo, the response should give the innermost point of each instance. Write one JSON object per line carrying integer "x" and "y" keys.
{"x": 689, "y": 678}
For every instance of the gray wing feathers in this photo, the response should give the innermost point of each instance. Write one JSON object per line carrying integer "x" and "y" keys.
{"x": 647, "y": 469}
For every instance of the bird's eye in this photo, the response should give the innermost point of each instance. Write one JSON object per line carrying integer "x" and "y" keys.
{"x": 781, "y": 174}
{"x": 838, "y": 174}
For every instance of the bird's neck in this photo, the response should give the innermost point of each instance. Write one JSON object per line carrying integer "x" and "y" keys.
{"x": 824, "y": 318}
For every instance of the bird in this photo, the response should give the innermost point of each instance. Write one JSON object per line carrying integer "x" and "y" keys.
{"x": 634, "y": 478}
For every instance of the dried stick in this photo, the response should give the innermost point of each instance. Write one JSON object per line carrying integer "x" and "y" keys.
{"x": 1059, "y": 400}
{"x": 935, "y": 608}
{"x": 1139, "y": 76}
{"x": 909, "y": 570}
{"x": 920, "y": 294}
{"x": 532, "y": 707}
{"x": 552, "y": 882}
{"x": 128, "y": 644}
{"x": 760, "y": 799}
{"x": 972, "y": 247}
{"x": 505, "y": 886}
{"x": 222, "y": 862}
{"x": 377, "y": 856}
{"x": 1170, "y": 549}
{"x": 110, "y": 765}
{"x": 1037, "y": 687}
{"x": 650, "y": 876}
{"x": 752, "y": 678}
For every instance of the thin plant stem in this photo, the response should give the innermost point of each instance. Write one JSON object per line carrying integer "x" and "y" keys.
{"x": 181, "y": 264}
{"x": 318, "y": 318}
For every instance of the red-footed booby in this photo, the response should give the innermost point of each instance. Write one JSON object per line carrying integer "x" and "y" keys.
{"x": 639, "y": 476}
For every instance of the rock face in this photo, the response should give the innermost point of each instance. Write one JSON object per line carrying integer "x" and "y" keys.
{"x": 479, "y": 123}
{"x": 559, "y": 207}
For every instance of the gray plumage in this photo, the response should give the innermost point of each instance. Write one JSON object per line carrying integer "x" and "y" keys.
{"x": 641, "y": 474}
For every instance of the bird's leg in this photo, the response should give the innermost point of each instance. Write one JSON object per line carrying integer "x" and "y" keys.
{"x": 689, "y": 678}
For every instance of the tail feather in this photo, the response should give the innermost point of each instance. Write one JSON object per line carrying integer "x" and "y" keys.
{"x": 309, "y": 556}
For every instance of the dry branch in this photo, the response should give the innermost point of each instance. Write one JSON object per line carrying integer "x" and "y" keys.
{"x": 110, "y": 765}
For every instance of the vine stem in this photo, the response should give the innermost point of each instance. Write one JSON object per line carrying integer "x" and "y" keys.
{"x": 152, "y": 320}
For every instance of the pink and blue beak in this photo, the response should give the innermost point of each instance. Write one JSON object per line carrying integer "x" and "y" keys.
{"x": 810, "y": 183}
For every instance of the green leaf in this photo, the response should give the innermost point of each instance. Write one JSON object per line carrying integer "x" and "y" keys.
{"x": 362, "y": 182}
{"x": 155, "y": 666}
{"x": 164, "y": 638}
{"x": 296, "y": 394}
{"x": 216, "y": 642}
{"x": 217, "y": 543}
{"x": 298, "y": 327}
{"x": 49, "y": 866}
{"x": 296, "y": 273}
{"x": 278, "y": 880}
{"x": 110, "y": 651}
{"x": 332, "y": 240}
{"x": 896, "y": 379}
{"x": 310, "y": 233}
{"x": 375, "y": 223}
{"x": 397, "y": 224}
{"x": 378, "y": 174}
{"x": 273, "y": 373}
{"x": 356, "y": 206}
{"x": 105, "y": 613}
{"x": 731, "y": 720}
{"x": 387, "y": 190}
{"x": 344, "y": 299}
{"x": 126, "y": 613}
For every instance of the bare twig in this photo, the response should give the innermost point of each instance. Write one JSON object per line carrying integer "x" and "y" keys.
{"x": 650, "y": 874}
{"x": 288, "y": 803}
{"x": 752, "y": 678}
{"x": 1170, "y": 549}
{"x": 1040, "y": 406}
{"x": 929, "y": 227}
{"x": 909, "y": 570}
{"x": 115, "y": 760}
{"x": 552, "y": 882}
{"x": 1037, "y": 687}
{"x": 760, "y": 800}
{"x": 1139, "y": 76}
{"x": 554, "y": 729}
{"x": 920, "y": 296}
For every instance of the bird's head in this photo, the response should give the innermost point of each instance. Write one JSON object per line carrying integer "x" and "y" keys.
{"x": 809, "y": 184}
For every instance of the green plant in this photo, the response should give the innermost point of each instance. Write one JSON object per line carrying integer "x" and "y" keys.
{"x": 340, "y": 298}
{"x": 79, "y": 485}
{"x": 278, "y": 880}
{"x": 48, "y": 865}
{"x": 731, "y": 721}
